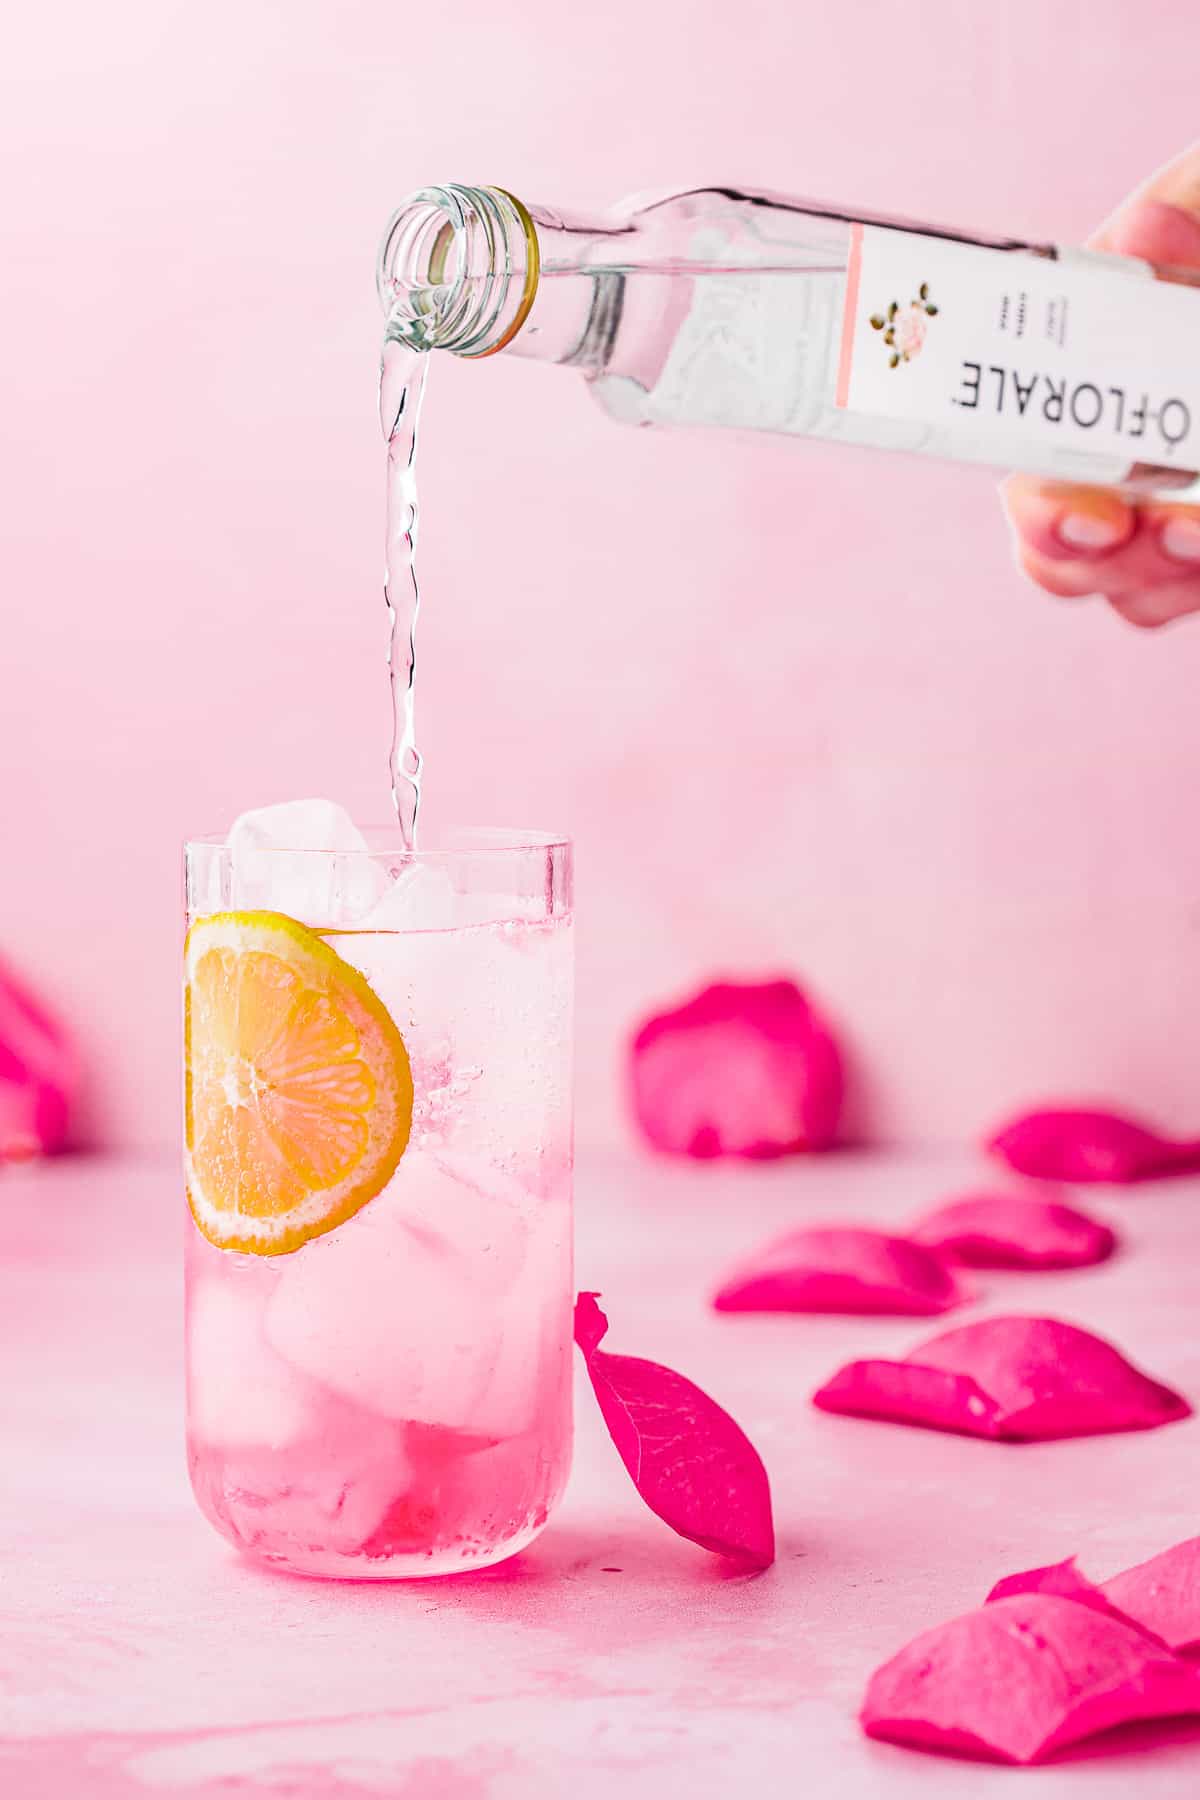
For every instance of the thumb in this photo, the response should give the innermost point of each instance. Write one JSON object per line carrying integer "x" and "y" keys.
{"x": 1160, "y": 222}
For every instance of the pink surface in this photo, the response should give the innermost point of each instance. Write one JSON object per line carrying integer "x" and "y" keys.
{"x": 961, "y": 810}
{"x": 140, "y": 1657}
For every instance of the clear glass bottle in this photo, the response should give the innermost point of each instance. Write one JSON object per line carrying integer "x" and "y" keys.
{"x": 752, "y": 311}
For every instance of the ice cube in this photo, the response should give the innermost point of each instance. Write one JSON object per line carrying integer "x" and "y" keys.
{"x": 273, "y": 864}
{"x": 398, "y": 1309}
{"x": 331, "y": 1491}
{"x": 481, "y": 1215}
{"x": 426, "y": 893}
{"x": 421, "y": 897}
{"x": 535, "y": 1325}
{"x": 517, "y": 1249}
{"x": 239, "y": 1392}
{"x": 486, "y": 1014}
{"x": 511, "y": 986}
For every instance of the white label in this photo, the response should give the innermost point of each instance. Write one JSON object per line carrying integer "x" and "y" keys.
{"x": 997, "y": 350}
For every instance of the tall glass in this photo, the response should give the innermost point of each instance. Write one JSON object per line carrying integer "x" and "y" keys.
{"x": 378, "y": 1051}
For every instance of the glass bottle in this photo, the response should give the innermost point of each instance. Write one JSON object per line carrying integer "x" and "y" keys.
{"x": 751, "y": 311}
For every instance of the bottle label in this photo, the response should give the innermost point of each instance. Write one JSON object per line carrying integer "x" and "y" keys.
{"x": 1000, "y": 353}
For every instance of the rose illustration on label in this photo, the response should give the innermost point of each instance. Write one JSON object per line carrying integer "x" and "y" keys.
{"x": 904, "y": 327}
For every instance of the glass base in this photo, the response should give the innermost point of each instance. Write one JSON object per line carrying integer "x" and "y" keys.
{"x": 462, "y": 1504}
{"x": 450, "y": 1559}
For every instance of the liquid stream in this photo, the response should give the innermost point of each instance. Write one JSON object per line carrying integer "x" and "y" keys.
{"x": 401, "y": 387}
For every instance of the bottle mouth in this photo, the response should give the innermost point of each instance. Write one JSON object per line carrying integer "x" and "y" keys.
{"x": 458, "y": 269}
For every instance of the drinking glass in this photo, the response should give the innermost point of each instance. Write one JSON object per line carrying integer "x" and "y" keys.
{"x": 379, "y": 1152}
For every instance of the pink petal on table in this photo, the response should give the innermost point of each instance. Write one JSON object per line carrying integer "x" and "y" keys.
{"x": 1017, "y": 1378}
{"x": 1022, "y": 1677}
{"x": 691, "y": 1463}
{"x": 1069, "y": 1582}
{"x": 37, "y": 1073}
{"x": 908, "y": 1394}
{"x": 1086, "y": 1144}
{"x": 842, "y": 1269}
{"x": 739, "y": 1070}
{"x": 1163, "y": 1595}
{"x": 1014, "y": 1231}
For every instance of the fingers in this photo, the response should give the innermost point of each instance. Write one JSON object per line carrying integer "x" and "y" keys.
{"x": 1158, "y": 578}
{"x": 1177, "y": 182}
{"x": 1158, "y": 606}
{"x": 1156, "y": 232}
{"x": 1076, "y": 542}
{"x": 1178, "y": 535}
{"x": 1160, "y": 221}
{"x": 1059, "y": 520}
{"x": 1067, "y": 580}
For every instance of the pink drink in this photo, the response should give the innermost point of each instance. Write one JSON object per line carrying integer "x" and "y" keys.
{"x": 393, "y": 1398}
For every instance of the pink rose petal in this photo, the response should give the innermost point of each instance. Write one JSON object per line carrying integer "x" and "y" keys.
{"x": 1022, "y": 1677}
{"x": 909, "y": 1394}
{"x": 739, "y": 1070}
{"x": 37, "y": 1073}
{"x": 1015, "y": 1378}
{"x": 842, "y": 1269}
{"x": 1014, "y": 1231}
{"x": 1163, "y": 1595}
{"x": 1069, "y": 1582}
{"x": 1082, "y": 1144}
{"x": 689, "y": 1461}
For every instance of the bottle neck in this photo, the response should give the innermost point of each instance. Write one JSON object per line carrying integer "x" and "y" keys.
{"x": 473, "y": 270}
{"x": 458, "y": 269}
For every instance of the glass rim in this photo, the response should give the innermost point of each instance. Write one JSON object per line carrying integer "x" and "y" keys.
{"x": 385, "y": 840}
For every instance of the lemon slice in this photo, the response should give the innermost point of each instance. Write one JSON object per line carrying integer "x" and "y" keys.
{"x": 298, "y": 1086}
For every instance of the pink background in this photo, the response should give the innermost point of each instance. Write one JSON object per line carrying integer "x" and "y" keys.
{"x": 963, "y": 811}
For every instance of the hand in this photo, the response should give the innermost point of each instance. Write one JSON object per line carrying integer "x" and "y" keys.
{"x": 1075, "y": 541}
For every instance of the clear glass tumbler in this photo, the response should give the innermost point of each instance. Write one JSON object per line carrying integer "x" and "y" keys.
{"x": 378, "y": 1126}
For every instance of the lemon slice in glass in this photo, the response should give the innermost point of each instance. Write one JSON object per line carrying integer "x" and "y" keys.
{"x": 298, "y": 1086}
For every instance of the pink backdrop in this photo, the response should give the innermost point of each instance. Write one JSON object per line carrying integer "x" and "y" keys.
{"x": 963, "y": 811}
